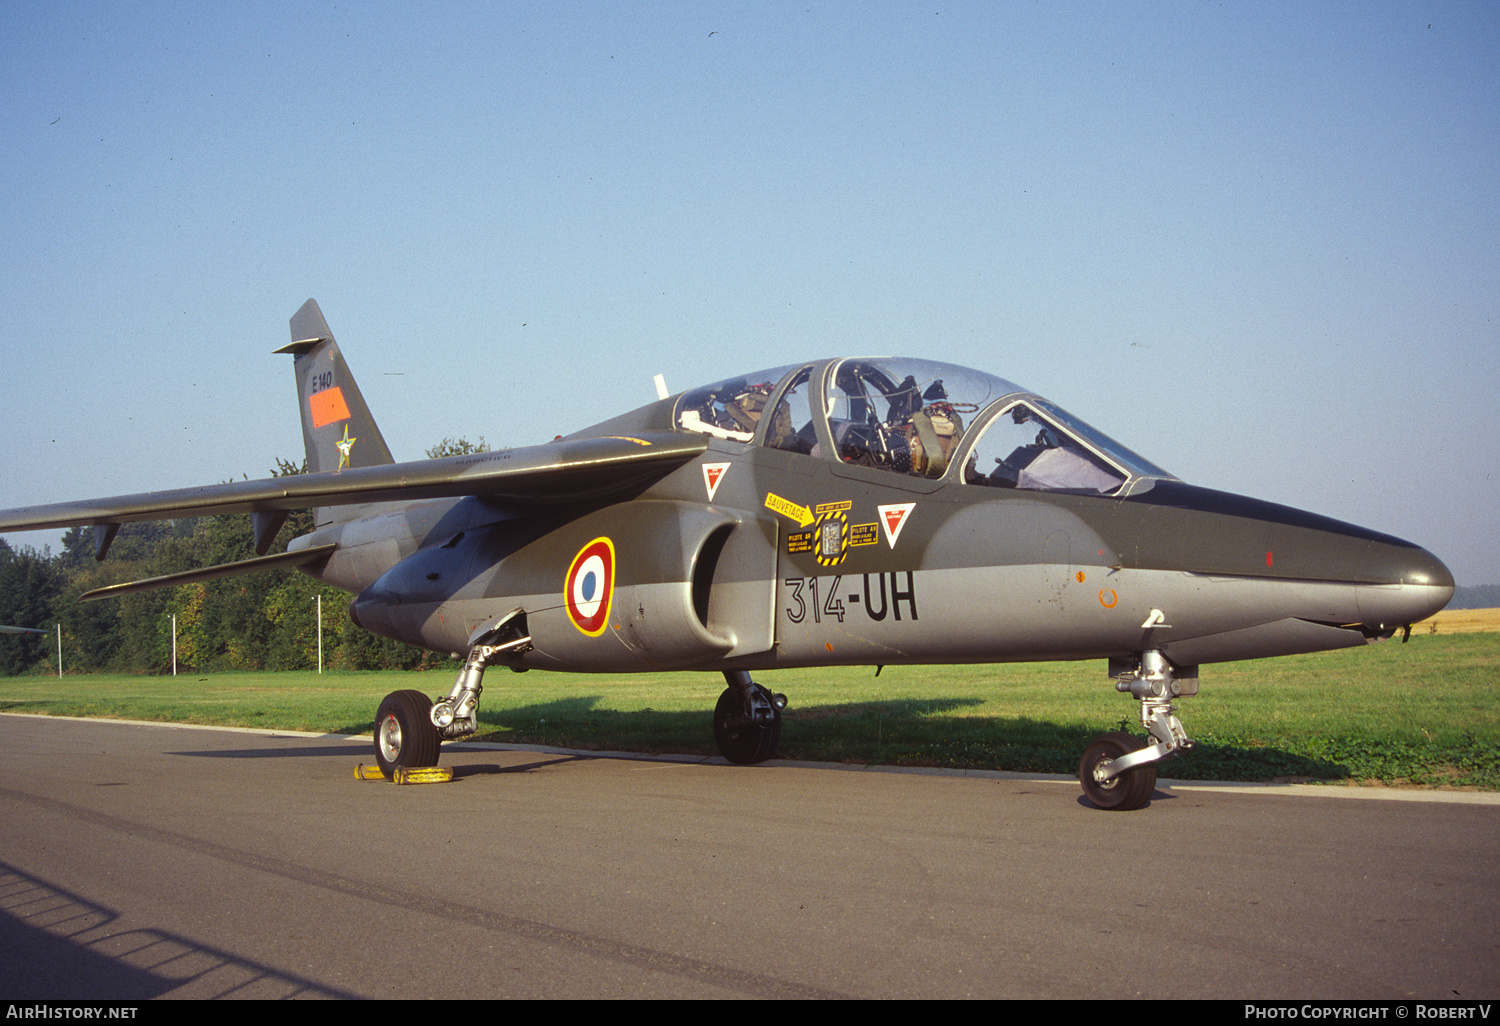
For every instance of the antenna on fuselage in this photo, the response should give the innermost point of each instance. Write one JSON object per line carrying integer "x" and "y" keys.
{"x": 661, "y": 386}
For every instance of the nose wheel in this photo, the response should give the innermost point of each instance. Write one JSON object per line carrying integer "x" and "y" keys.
{"x": 1128, "y": 790}
{"x": 1118, "y": 770}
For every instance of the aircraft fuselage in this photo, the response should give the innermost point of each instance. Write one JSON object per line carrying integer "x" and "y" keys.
{"x": 960, "y": 574}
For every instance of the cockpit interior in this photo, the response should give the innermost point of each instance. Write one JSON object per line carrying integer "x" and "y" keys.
{"x": 916, "y": 417}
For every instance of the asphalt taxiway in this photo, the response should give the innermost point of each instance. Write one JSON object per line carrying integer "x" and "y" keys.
{"x": 141, "y": 861}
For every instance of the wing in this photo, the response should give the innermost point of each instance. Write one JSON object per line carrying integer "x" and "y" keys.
{"x": 538, "y": 475}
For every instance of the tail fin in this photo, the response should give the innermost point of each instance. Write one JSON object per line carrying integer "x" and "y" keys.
{"x": 337, "y": 428}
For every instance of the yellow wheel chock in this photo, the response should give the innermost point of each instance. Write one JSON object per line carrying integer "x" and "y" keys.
{"x": 407, "y": 774}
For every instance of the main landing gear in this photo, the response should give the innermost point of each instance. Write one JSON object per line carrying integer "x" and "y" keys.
{"x": 409, "y": 728}
{"x": 1118, "y": 770}
{"x": 747, "y": 720}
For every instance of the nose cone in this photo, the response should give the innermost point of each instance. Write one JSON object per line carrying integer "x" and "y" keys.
{"x": 1426, "y": 569}
{"x": 1352, "y": 575}
{"x": 1419, "y": 585}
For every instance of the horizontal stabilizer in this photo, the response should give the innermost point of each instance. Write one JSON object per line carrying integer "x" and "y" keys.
{"x": 22, "y": 630}
{"x": 300, "y": 557}
{"x": 557, "y": 472}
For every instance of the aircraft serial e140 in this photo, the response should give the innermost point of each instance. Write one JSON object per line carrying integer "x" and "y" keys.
{"x": 873, "y": 511}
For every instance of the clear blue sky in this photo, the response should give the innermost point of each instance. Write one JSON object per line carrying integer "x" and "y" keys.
{"x": 1257, "y": 242}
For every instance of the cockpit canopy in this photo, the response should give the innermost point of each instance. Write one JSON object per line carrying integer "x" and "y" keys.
{"x": 918, "y": 418}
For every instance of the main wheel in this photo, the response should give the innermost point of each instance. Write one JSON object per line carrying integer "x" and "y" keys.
{"x": 404, "y": 734}
{"x": 1129, "y": 790}
{"x": 741, "y": 739}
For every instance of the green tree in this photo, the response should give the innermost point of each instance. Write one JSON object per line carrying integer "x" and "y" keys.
{"x": 91, "y": 630}
{"x": 253, "y": 621}
{"x": 29, "y": 585}
{"x": 457, "y": 447}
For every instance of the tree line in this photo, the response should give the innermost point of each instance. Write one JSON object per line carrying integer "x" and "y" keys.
{"x": 262, "y": 621}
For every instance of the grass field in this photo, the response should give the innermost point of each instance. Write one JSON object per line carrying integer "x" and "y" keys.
{"x": 1460, "y": 621}
{"x": 1425, "y": 713}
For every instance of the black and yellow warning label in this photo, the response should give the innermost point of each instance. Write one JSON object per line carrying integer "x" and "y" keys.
{"x": 830, "y": 535}
{"x": 832, "y": 530}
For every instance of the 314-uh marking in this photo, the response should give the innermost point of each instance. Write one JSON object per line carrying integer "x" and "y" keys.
{"x": 877, "y": 602}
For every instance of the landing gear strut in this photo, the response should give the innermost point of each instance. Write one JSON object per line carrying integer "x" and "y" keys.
{"x": 1118, "y": 770}
{"x": 747, "y": 720}
{"x": 409, "y": 728}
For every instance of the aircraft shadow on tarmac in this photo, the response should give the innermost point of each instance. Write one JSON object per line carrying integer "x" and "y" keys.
{"x": 928, "y": 731}
{"x": 293, "y": 750}
{"x": 56, "y": 945}
{"x": 906, "y": 731}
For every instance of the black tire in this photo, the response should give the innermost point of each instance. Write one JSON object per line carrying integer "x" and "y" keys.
{"x": 1131, "y": 789}
{"x": 741, "y": 740}
{"x": 404, "y": 734}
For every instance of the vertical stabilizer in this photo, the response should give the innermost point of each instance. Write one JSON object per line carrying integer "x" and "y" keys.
{"x": 337, "y": 428}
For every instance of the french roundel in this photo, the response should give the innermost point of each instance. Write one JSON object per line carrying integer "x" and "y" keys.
{"x": 590, "y": 585}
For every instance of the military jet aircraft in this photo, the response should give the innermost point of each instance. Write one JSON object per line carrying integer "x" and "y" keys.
{"x": 840, "y": 511}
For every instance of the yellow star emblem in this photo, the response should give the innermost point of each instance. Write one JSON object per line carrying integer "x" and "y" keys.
{"x": 345, "y": 444}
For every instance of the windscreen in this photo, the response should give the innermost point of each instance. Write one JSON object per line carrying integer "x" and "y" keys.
{"x": 1034, "y": 445}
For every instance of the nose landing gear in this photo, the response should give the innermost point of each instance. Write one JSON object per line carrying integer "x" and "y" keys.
{"x": 1118, "y": 770}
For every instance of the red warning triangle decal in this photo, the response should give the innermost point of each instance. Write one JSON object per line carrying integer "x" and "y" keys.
{"x": 893, "y": 518}
{"x": 713, "y": 473}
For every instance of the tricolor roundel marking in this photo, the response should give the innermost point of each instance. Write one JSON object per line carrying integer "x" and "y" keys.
{"x": 590, "y": 585}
